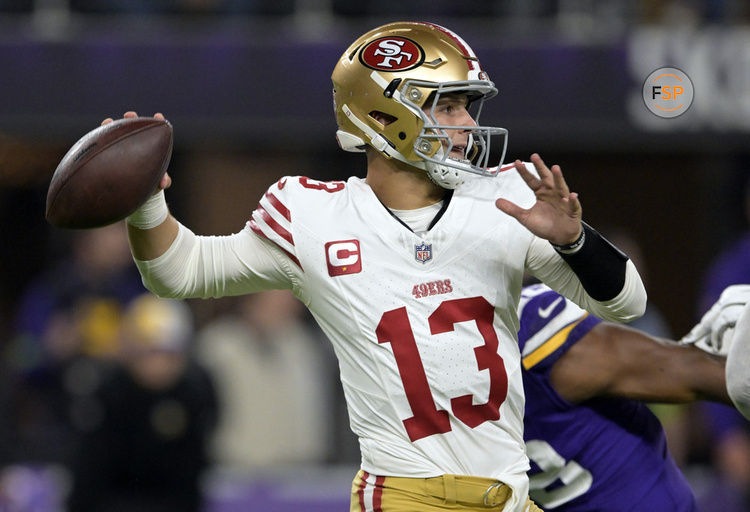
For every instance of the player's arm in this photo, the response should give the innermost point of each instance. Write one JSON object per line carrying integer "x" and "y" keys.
{"x": 150, "y": 243}
{"x": 615, "y": 360}
{"x": 174, "y": 262}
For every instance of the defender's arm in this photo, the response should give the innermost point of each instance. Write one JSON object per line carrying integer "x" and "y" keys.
{"x": 614, "y": 360}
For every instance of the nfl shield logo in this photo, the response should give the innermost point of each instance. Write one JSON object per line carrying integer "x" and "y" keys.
{"x": 423, "y": 252}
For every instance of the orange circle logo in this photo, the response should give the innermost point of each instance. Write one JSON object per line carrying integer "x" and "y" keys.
{"x": 668, "y": 92}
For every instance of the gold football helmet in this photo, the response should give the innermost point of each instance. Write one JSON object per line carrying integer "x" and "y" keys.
{"x": 401, "y": 70}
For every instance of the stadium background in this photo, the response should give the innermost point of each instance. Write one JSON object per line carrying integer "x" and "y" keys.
{"x": 246, "y": 86}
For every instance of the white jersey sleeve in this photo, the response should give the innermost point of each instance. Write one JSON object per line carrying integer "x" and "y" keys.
{"x": 215, "y": 266}
{"x": 544, "y": 263}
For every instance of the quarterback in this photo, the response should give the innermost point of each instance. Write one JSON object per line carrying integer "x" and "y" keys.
{"x": 413, "y": 272}
{"x": 593, "y": 444}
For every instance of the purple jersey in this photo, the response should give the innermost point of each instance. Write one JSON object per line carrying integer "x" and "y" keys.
{"x": 604, "y": 454}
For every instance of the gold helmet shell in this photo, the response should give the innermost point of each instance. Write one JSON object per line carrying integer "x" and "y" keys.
{"x": 399, "y": 70}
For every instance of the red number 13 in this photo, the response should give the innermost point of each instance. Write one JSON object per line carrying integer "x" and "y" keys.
{"x": 427, "y": 419}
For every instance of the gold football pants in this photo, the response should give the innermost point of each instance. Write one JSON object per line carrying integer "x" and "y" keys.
{"x": 372, "y": 493}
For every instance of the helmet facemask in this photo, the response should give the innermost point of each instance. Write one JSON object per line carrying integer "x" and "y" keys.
{"x": 434, "y": 144}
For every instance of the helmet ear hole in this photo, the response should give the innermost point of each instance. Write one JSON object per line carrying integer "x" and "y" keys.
{"x": 401, "y": 135}
{"x": 383, "y": 118}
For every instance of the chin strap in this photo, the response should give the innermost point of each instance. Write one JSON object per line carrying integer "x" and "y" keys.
{"x": 443, "y": 175}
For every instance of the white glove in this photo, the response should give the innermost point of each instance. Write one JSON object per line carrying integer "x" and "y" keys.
{"x": 738, "y": 364}
{"x": 714, "y": 332}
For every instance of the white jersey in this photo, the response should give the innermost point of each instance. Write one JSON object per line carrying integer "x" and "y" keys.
{"x": 424, "y": 327}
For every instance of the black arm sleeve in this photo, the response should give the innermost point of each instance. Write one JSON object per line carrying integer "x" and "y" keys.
{"x": 599, "y": 265}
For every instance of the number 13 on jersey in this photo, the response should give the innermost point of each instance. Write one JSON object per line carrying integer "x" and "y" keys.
{"x": 427, "y": 419}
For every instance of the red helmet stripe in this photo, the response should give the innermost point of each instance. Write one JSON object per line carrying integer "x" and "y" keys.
{"x": 468, "y": 52}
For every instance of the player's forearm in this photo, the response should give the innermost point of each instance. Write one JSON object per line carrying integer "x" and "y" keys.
{"x": 151, "y": 229}
{"x": 608, "y": 277}
{"x": 547, "y": 265}
{"x": 674, "y": 374}
{"x": 706, "y": 377}
{"x": 214, "y": 266}
{"x": 149, "y": 244}
{"x": 180, "y": 270}
{"x": 629, "y": 304}
{"x": 599, "y": 265}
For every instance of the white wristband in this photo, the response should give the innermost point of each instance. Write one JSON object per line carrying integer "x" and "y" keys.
{"x": 151, "y": 213}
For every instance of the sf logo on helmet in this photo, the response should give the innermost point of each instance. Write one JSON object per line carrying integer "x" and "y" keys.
{"x": 392, "y": 54}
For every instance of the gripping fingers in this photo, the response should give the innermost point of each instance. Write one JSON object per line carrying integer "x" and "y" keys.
{"x": 131, "y": 114}
{"x": 127, "y": 115}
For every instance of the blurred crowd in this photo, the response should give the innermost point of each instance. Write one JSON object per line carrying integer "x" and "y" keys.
{"x": 647, "y": 11}
{"x": 113, "y": 399}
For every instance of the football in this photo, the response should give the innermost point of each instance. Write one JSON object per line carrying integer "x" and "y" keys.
{"x": 109, "y": 173}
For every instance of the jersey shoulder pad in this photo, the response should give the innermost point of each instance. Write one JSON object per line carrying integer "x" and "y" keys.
{"x": 549, "y": 324}
{"x": 285, "y": 202}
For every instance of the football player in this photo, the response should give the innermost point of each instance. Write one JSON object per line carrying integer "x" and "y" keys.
{"x": 414, "y": 272}
{"x": 593, "y": 444}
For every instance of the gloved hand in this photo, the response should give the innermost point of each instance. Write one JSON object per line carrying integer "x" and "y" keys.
{"x": 714, "y": 332}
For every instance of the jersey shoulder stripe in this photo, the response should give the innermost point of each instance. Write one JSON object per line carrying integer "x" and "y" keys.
{"x": 549, "y": 323}
{"x": 550, "y": 345}
{"x": 254, "y": 227}
{"x": 278, "y": 205}
{"x": 275, "y": 226}
{"x": 272, "y": 219}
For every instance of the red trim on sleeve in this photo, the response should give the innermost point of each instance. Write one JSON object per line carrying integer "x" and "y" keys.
{"x": 278, "y": 228}
{"x": 283, "y": 210}
{"x": 259, "y": 232}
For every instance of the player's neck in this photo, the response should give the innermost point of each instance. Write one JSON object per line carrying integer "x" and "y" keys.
{"x": 400, "y": 186}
